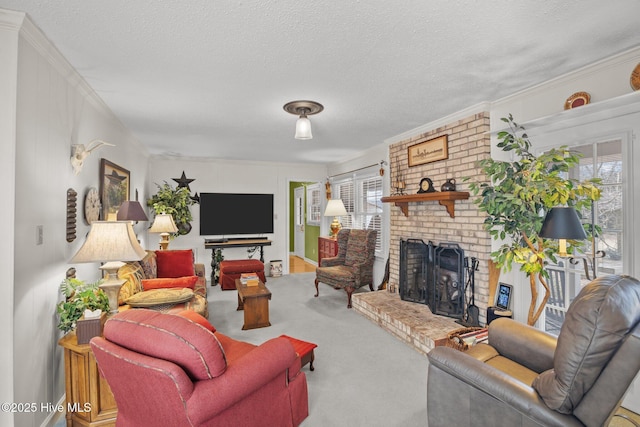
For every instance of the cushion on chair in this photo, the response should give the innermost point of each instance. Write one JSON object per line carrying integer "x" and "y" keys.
{"x": 357, "y": 250}
{"x": 177, "y": 263}
{"x": 132, "y": 273}
{"x": 233, "y": 349}
{"x": 339, "y": 275}
{"x": 149, "y": 265}
{"x": 160, "y": 296}
{"x": 168, "y": 337}
{"x": 170, "y": 282}
{"x": 597, "y": 321}
{"x": 197, "y": 318}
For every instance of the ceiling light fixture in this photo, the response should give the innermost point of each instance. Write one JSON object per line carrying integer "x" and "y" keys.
{"x": 303, "y": 109}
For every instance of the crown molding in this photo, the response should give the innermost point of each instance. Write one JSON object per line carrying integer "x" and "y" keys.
{"x": 30, "y": 33}
{"x": 443, "y": 121}
{"x": 11, "y": 20}
{"x": 588, "y": 70}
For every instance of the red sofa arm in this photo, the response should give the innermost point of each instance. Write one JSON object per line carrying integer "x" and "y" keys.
{"x": 199, "y": 271}
{"x": 247, "y": 374}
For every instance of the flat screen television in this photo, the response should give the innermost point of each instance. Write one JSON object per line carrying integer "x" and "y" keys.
{"x": 223, "y": 214}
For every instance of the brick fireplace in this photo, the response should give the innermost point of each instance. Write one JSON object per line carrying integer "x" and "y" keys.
{"x": 468, "y": 142}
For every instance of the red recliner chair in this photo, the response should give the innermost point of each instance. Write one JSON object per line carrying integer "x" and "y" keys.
{"x": 165, "y": 369}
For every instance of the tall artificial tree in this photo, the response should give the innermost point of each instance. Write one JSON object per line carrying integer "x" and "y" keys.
{"x": 516, "y": 197}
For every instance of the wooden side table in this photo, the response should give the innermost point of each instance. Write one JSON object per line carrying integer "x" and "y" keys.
{"x": 89, "y": 401}
{"x": 254, "y": 300}
{"x": 327, "y": 248}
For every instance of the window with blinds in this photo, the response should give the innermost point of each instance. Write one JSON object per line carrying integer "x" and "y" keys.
{"x": 361, "y": 197}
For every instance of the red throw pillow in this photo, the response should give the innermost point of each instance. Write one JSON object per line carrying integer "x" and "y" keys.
{"x": 175, "y": 263}
{"x": 170, "y": 282}
{"x": 197, "y": 318}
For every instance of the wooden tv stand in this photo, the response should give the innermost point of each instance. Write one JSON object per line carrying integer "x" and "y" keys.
{"x": 214, "y": 244}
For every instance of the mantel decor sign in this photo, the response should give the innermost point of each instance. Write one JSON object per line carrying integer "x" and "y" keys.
{"x": 114, "y": 187}
{"x": 428, "y": 151}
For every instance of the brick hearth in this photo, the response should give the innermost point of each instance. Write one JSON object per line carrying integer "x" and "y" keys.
{"x": 410, "y": 322}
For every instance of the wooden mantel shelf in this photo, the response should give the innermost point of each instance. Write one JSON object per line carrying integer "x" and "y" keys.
{"x": 445, "y": 198}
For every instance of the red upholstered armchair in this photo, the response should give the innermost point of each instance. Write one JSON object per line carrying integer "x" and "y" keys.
{"x": 165, "y": 369}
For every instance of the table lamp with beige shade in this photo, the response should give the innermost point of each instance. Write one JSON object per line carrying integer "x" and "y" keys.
{"x": 163, "y": 224}
{"x": 110, "y": 242}
{"x": 335, "y": 208}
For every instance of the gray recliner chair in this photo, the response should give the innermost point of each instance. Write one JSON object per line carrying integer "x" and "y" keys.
{"x": 524, "y": 377}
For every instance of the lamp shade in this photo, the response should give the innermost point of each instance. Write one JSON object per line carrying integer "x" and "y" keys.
{"x": 163, "y": 223}
{"x": 335, "y": 207}
{"x": 110, "y": 241}
{"x": 562, "y": 223}
{"x": 131, "y": 211}
{"x": 303, "y": 128}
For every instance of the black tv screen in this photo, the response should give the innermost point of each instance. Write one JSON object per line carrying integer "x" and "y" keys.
{"x": 235, "y": 213}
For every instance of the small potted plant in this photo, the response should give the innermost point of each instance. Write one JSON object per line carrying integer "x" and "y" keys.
{"x": 79, "y": 296}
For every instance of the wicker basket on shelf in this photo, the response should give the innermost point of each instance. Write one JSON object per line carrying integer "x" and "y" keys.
{"x": 454, "y": 340}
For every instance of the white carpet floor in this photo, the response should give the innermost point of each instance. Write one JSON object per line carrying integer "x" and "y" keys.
{"x": 363, "y": 376}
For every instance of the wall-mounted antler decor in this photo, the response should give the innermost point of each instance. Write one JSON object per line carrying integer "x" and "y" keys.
{"x": 79, "y": 153}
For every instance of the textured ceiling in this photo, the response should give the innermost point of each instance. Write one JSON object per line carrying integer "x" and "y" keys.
{"x": 203, "y": 78}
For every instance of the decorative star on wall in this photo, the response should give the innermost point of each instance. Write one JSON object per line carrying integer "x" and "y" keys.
{"x": 183, "y": 181}
{"x": 195, "y": 198}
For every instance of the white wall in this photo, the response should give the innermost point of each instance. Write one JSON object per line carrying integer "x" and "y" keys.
{"x": 8, "y": 77}
{"x": 54, "y": 109}
{"x": 226, "y": 176}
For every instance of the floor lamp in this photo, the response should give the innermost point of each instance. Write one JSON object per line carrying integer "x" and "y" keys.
{"x": 563, "y": 223}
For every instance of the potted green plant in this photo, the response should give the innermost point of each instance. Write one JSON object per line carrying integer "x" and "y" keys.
{"x": 174, "y": 201}
{"x": 79, "y": 296}
{"x": 218, "y": 258}
{"x": 516, "y": 197}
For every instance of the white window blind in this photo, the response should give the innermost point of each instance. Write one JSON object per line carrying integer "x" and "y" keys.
{"x": 361, "y": 197}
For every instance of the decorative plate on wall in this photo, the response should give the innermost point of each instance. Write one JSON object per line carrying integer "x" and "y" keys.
{"x": 635, "y": 78}
{"x": 578, "y": 99}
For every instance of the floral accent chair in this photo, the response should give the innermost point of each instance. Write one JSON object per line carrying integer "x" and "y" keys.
{"x": 352, "y": 268}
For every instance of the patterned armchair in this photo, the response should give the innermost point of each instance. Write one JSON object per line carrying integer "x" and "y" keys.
{"x": 352, "y": 268}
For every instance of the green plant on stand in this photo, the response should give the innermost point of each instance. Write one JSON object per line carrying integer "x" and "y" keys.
{"x": 174, "y": 201}
{"x": 516, "y": 198}
{"x": 79, "y": 296}
{"x": 218, "y": 257}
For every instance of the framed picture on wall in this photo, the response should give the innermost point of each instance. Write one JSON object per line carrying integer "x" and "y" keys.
{"x": 114, "y": 187}
{"x": 428, "y": 151}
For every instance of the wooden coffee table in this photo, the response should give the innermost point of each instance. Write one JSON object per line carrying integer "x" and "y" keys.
{"x": 254, "y": 300}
